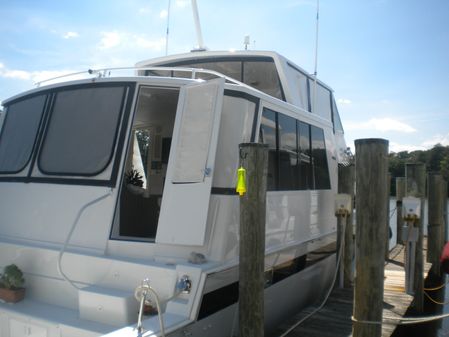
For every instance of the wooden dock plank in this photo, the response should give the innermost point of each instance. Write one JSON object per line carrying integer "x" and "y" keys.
{"x": 334, "y": 319}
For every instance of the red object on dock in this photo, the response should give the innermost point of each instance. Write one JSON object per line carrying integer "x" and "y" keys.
{"x": 444, "y": 259}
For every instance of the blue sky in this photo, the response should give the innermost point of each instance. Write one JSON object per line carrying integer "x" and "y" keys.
{"x": 387, "y": 60}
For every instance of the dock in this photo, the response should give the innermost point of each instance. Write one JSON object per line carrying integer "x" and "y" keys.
{"x": 334, "y": 319}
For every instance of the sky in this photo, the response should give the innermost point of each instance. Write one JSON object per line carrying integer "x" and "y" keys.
{"x": 386, "y": 60}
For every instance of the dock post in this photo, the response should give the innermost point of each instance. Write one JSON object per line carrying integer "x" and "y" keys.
{"x": 387, "y": 219}
{"x": 371, "y": 162}
{"x": 445, "y": 214}
{"x": 346, "y": 180}
{"x": 415, "y": 182}
{"x": 400, "y": 192}
{"x": 435, "y": 229}
{"x": 254, "y": 158}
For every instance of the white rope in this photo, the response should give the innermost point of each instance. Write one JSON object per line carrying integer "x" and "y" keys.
{"x": 330, "y": 288}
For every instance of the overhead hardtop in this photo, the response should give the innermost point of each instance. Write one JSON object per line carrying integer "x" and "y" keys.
{"x": 266, "y": 71}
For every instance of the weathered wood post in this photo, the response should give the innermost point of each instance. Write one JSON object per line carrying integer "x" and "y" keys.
{"x": 415, "y": 181}
{"x": 400, "y": 192}
{"x": 435, "y": 229}
{"x": 445, "y": 214}
{"x": 346, "y": 180}
{"x": 371, "y": 162}
{"x": 387, "y": 219}
{"x": 254, "y": 158}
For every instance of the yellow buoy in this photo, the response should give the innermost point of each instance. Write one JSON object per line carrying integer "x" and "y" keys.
{"x": 241, "y": 181}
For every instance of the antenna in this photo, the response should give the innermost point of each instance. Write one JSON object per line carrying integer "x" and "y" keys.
{"x": 316, "y": 53}
{"x": 199, "y": 35}
{"x": 168, "y": 27}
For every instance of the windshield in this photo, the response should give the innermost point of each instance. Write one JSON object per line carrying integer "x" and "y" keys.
{"x": 68, "y": 131}
{"x": 259, "y": 73}
{"x": 19, "y": 133}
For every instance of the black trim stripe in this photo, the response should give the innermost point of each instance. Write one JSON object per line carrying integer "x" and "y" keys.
{"x": 223, "y": 191}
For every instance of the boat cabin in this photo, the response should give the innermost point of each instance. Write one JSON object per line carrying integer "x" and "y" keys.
{"x": 109, "y": 180}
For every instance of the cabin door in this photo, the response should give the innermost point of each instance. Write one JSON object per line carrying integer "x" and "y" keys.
{"x": 185, "y": 201}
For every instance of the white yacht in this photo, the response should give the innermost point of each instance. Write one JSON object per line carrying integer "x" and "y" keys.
{"x": 115, "y": 183}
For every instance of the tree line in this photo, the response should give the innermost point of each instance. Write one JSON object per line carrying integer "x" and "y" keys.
{"x": 436, "y": 159}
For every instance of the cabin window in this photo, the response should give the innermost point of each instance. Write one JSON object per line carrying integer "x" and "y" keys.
{"x": 262, "y": 76}
{"x": 305, "y": 173}
{"x": 258, "y": 72}
{"x": 82, "y": 131}
{"x": 138, "y": 208}
{"x": 297, "y": 158}
{"x": 19, "y": 133}
{"x": 288, "y": 153}
{"x": 336, "y": 117}
{"x": 268, "y": 135}
{"x": 321, "y": 97}
{"x": 319, "y": 159}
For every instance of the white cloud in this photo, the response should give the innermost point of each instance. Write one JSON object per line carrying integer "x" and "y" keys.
{"x": 157, "y": 44}
{"x": 70, "y": 35}
{"x": 110, "y": 40}
{"x": 396, "y": 147}
{"x": 437, "y": 139}
{"x": 15, "y": 74}
{"x": 124, "y": 41}
{"x": 380, "y": 124}
{"x": 35, "y": 76}
{"x": 344, "y": 101}
{"x": 163, "y": 14}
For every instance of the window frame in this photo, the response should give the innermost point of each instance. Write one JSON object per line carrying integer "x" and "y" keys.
{"x": 311, "y": 182}
{"x": 218, "y": 59}
{"x": 20, "y": 172}
{"x": 115, "y": 133}
{"x": 35, "y": 175}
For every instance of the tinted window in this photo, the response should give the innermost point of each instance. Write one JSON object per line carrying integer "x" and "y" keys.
{"x": 288, "y": 153}
{"x": 268, "y": 136}
{"x": 319, "y": 159}
{"x": 337, "y": 121}
{"x": 260, "y": 73}
{"x": 305, "y": 168}
{"x": 321, "y": 96}
{"x": 262, "y": 76}
{"x": 82, "y": 131}
{"x": 297, "y": 157}
{"x": 19, "y": 133}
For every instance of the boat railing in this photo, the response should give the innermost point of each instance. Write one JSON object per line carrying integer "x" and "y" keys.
{"x": 191, "y": 73}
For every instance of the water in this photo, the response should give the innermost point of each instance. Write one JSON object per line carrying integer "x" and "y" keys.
{"x": 438, "y": 328}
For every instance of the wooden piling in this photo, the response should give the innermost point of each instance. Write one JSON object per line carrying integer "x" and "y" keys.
{"x": 254, "y": 158}
{"x": 400, "y": 192}
{"x": 415, "y": 181}
{"x": 387, "y": 218}
{"x": 346, "y": 181}
{"x": 435, "y": 229}
{"x": 445, "y": 214}
{"x": 371, "y": 181}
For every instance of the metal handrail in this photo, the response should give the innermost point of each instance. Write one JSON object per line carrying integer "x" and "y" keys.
{"x": 106, "y": 72}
